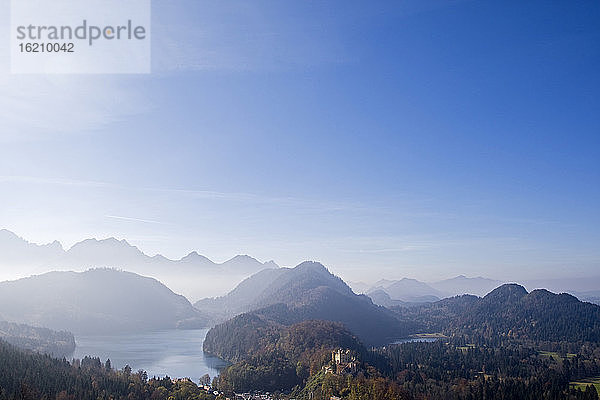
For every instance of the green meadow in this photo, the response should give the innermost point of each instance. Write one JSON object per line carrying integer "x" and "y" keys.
{"x": 555, "y": 355}
{"x": 583, "y": 383}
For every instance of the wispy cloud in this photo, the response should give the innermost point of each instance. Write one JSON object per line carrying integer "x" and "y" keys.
{"x": 190, "y": 193}
{"x": 51, "y": 181}
{"x": 131, "y": 219}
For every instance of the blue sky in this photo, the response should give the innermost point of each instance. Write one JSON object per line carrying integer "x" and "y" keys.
{"x": 387, "y": 139}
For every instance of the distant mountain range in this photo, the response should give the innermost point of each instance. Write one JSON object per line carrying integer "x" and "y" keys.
{"x": 197, "y": 277}
{"x": 408, "y": 291}
{"x": 461, "y": 284}
{"x": 307, "y": 292}
{"x": 194, "y": 275}
{"x": 382, "y": 298}
{"x": 509, "y": 311}
{"x": 592, "y": 296}
{"x": 276, "y": 304}
{"x": 98, "y": 301}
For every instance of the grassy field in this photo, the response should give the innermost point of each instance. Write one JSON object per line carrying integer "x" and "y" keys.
{"x": 467, "y": 347}
{"x": 583, "y": 383}
{"x": 555, "y": 355}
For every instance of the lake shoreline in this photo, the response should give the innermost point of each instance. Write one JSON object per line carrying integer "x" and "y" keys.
{"x": 176, "y": 353}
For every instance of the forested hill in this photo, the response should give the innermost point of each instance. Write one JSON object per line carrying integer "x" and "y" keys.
{"x": 42, "y": 340}
{"x": 96, "y": 301}
{"x": 275, "y": 357}
{"x": 311, "y": 292}
{"x": 511, "y": 311}
{"x": 244, "y": 297}
{"x": 509, "y": 344}
{"x": 248, "y": 335}
{"x": 272, "y": 286}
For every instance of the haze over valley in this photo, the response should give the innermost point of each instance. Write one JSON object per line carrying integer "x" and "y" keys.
{"x": 300, "y": 200}
{"x": 197, "y": 277}
{"x": 272, "y": 315}
{"x": 193, "y": 275}
{"x": 106, "y": 298}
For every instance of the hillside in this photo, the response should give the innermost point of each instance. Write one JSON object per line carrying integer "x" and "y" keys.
{"x": 407, "y": 290}
{"x": 511, "y": 311}
{"x": 96, "y": 301}
{"x": 527, "y": 345}
{"x": 272, "y": 286}
{"x": 382, "y": 298}
{"x": 307, "y": 292}
{"x": 42, "y": 340}
{"x": 273, "y": 357}
{"x": 244, "y": 297}
{"x": 410, "y": 292}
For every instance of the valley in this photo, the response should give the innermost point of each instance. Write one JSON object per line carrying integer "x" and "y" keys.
{"x": 273, "y": 335}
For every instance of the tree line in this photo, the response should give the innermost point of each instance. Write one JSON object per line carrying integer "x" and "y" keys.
{"x": 27, "y": 375}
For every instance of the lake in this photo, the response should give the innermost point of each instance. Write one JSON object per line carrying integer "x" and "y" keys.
{"x": 177, "y": 353}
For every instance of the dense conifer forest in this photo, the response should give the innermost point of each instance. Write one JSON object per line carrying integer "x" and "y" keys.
{"x": 445, "y": 369}
{"x": 27, "y": 375}
{"x": 39, "y": 339}
{"x": 509, "y": 344}
{"x": 509, "y": 311}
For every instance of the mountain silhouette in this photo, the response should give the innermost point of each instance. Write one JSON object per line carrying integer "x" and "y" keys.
{"x": 20, "y": 258}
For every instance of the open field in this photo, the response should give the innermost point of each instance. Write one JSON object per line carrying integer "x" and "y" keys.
{"x": 583, "y": 383}
{"x": 555, "y": 355}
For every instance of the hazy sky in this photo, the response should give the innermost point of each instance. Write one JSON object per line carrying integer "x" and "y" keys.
{"x": 388, "y": 139}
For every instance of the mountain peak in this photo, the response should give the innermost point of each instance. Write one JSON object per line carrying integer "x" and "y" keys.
{"x": 507, "y": 293}
{"x": 5, "y": 234}
{"x": 113, "y": 240}
{"x": 105, "y": 252}
{"x": 194, "y": 256}
{"x": 241, "y": 260}
{"x": 242, "y": 263}
{"x": 243, "y": 257}
{"x": 55, "y": 244}
{"x": 383, "y": 282}
{"x": 110, "y": 241}
{"x": 311, "y": 266}
{"x": 271, "y": 264}
{"x": 307, "y": 292}
{"x": 13, "y": 241}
